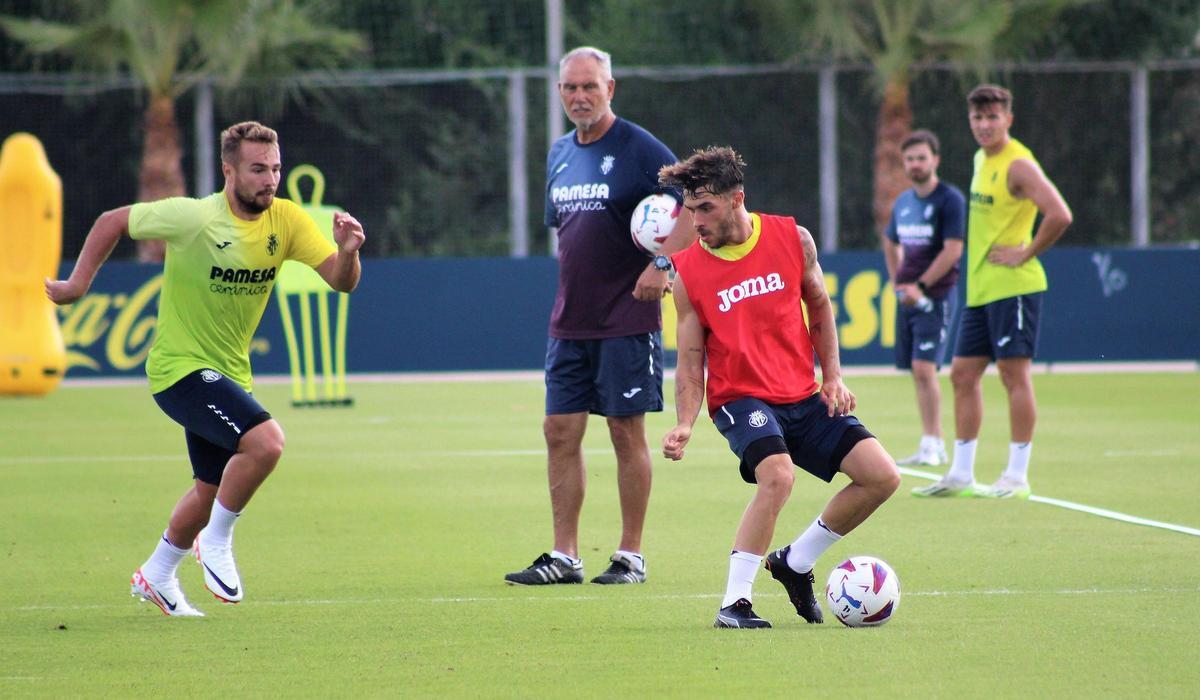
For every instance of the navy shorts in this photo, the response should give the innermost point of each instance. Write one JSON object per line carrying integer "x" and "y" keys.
{"x": 921, "y": 335}
{"x": 814, "y": 440}
{"x": 608, "y": 376}
{"x": 1002, "y": 329}
{"x": 215, "y": 413}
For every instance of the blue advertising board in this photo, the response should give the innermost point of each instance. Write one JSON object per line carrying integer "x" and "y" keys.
{"x": 489, "y": 314}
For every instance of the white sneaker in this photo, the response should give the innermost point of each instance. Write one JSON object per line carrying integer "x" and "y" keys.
{"x": 220, "y": 572}
{"x": 167, "y": 596}
{"x": 946, "y": 488}
{"x": 925, "y": 458}
{"x": 1006, "y": 487}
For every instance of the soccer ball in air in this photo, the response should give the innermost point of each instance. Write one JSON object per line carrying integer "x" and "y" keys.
{"x": 863, "y": 592}
{"x": 652, "y": 221}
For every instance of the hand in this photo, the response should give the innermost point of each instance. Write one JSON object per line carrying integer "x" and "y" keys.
{"x": 1007, "y": 255}
{"x": 347, "y": 232}
{"x": 64, "y": 291}
{"x": 674, "y": 441}
{"x": 837, "y": 398}
{"x": 908, "y": 294}
{"x": 652, "y": 284}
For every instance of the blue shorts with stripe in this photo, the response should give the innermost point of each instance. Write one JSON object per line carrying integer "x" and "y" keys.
{"x": 1001, "y": 329}
{"x": 921, "y": 335}
{"x": 215, "y": 413}
{"x": 606, "y": 376}
{"x": 814, "y": 439}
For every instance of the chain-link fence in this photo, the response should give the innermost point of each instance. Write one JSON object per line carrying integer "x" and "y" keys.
{"x": 426, "y": 160}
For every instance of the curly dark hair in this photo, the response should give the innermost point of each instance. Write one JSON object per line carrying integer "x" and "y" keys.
{"x": 717, "y": 169}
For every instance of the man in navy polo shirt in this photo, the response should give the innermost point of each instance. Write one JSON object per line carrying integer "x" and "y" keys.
{"x": 922, "y": 246}
{"x": 604, "y": 352}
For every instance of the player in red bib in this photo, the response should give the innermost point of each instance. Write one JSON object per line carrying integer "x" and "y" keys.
{"x": 739, "y": 292}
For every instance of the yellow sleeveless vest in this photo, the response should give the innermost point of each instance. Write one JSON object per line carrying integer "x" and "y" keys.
{"x": 996, "y": 217}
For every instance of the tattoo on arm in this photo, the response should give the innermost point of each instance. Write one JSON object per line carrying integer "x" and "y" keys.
{"x": 813, "y": 285}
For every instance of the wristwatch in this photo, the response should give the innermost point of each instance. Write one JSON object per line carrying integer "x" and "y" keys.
{"x": 662, "y": 263}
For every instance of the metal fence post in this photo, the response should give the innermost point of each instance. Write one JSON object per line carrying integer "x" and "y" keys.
{"x": 829, "y": 168}
{"x": 518, "y": 184}
{"x": 202, "y": 124}
{"x": 1139, "y": 156}
{"x": 554, "y": 51}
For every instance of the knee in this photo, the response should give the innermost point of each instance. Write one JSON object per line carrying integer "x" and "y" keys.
{"x": 962, "y": 379}
{"x": 627, "y": 431}
{"x": 889, "y": 481}
{"x": 265, "y": 443}
{"x": 1013, "y": 377}
{"x": 557, "y": 433}
{"x": 881, "y": 477}
{"x": 775, "y": 478}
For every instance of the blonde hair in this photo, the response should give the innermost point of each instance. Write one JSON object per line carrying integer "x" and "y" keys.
{"x": 232, "y": 138}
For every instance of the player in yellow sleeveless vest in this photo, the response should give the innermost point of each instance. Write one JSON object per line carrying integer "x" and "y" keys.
{"x": 1004, "y": 285}
{"x": 223, "y": 253}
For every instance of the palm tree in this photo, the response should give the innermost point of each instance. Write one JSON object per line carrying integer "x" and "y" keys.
{"x": 169, "y": 46}
{"x": 900, "y": 37}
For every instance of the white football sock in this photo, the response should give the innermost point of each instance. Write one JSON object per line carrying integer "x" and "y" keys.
{"x": 810, "y": 545}
{"x": 161, "y": 565}
{"x": 641, "y": 561}
{"x": 931, "y": 442}
{"x": 564, "y": 557}
{"x": 220, "y": 523}
{"x": 1018, "y": 460}
{"x": 743, "y": 567}
{"x": 963, "y": 466}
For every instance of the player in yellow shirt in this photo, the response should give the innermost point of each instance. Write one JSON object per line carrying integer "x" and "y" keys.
{"x": 1005, "y": 282}
{"x": 223, "y": 253}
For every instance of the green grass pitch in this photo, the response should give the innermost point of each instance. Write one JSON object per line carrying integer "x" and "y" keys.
{"x": 373, "y": 558}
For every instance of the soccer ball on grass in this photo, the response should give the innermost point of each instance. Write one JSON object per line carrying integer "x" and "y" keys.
{"x": 863, "y": 592}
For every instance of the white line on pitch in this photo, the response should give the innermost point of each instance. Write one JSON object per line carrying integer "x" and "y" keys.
{"x": 1141, "y": 453}
{"x": 1103, "y": 513}
{"x": 90, "y": 458}
{"x": 1091, "y": 510}
{"x": 541, "y": 599}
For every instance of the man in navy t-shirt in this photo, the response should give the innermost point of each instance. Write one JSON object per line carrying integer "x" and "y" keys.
{"x": 604, "y": 352}
{"x": 922, "y": 245}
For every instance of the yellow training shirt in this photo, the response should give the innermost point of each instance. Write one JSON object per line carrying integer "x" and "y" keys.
{"x": 217, "y": 279}
{"x": 996, "y": 217}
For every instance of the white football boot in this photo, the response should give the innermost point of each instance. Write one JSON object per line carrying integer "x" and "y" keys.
{"x": 220, "y": 571}
{"x": 1006, "y": 487}
{"x": 167, "y": 596}
{"x": 926, "y": 456}
{"x": 947, "y": 488}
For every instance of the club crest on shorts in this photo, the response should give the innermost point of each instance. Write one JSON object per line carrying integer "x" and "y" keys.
{"x": 758, "y": 419}
{"x": 210, "y": 375}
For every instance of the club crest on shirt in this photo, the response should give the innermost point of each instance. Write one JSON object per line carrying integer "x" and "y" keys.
{"x": 928, "y": 212}
{"x": 272, "y": 244}
{"x": 606, "y": 165}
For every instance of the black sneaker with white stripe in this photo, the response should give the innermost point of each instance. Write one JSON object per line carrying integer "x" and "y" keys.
{"x": 740, "y": 615}
{"x": 546, "y": 569}
{"x": 623, "y": 569}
